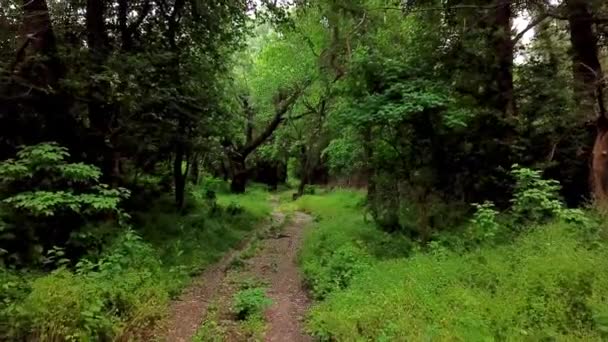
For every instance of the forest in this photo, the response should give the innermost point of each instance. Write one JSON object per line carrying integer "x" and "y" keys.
{"x": 303, "y": 170}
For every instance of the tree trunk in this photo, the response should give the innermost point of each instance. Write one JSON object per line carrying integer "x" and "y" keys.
{"x": 195, "y": 169}
{"x": 588, "y": 89}
{"x": 369, "y": 169}
{"x": 504, "y": 52}
{"x": 37, "y": 39}
{"x": 39, "y": 70}
{"x": 305, "y": 174}
{"x": 99, "y": 110}
{"x": 179, "y": 176}
{"x": 240, "y": 176}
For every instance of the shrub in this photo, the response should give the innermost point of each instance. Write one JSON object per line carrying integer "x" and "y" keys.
{"x": 483, "y": 225}
{"x": 536, "y": 284}
{"x": 44, "y": 199}
{"x": 117, "y": 292}
{"x": 123, "y": 291}
{"x": 250, "y": 302}
{"x": 342, "y": 243}
{"x": 534, "y": 199}
{"x": 335, "y": 270}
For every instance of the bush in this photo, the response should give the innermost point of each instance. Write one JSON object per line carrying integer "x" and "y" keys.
{"x": 192, "y": 240}
{"x": 544, "y": 286}
{"x": 250, "y": 302}
{"x": 483, "y": 226}
{"x": 335, "y": 270}
{"x": 535, "y": 199}
{"x": 120, "y": 292}
{"x": 45, "y": 199}
{"x": 123, "y": 291}
{"x": 515, "y": 284}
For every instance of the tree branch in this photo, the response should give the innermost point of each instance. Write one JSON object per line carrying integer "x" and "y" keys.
{"x": 282, "y": 107}
{"x": 530, "y": 26}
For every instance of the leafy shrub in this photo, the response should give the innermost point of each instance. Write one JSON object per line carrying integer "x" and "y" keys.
{"x": 335, "y": 270}
{"x": 535, "y": 199}
{"x": 45, "y": 199}
{"x": 250, "y": 302}
{"x": 254, "y": 201}
{"x": 234, "y": 209}
{"x": 344, "y": 154}
{"x": 483, "y": 224}
{"x": 537, "y": 284}
{"x": 119, "y": 289}
{"x": 342, "y": 243}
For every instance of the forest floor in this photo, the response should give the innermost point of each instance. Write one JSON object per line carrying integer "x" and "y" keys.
{"x": 204, "y": 311}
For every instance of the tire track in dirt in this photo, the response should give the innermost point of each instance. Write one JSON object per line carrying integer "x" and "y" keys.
{"x": 291, "y": 302}
{"x": 274, "y": 263}
{"x": 188, "y": 311}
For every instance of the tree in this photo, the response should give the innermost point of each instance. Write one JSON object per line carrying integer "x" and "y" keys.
{"x": 237, "y": 154}
{"x": 589, "y": 86}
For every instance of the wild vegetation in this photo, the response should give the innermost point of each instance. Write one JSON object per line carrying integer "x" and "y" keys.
{"x": 453, "y": 152}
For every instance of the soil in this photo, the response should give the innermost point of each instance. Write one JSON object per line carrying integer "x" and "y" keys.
{"x": 287, "y": 292}
{"x": 273, "y": 264}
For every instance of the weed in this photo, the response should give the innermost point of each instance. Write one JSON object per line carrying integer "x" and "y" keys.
{"x": 210, "y": 330}
{"x": 251, "y": 249}
{"x": 236, "y": 263}
{"x": 250, "y": 302}
{"x": 342, "y": 243}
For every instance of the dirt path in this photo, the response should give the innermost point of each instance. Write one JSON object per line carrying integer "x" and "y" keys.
{"x": 187, "y": 312}
{"x": 274, "y": 263}
{"x": 289, "y": 297}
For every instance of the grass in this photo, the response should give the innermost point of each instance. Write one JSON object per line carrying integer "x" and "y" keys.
{"x": 255, "y": 201}
{"x": 211, "y": 330}
{"x": 200, "y": 238}
{"x": 121, "y": 292}
{"x": 342, "y": 242}
{"x": 543, "y": 285}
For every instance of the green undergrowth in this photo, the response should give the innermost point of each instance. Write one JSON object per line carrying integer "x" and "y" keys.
{"x": 546, "y": 283}
{"x": 342, "y": 242}
{"x": 122, "y": 291}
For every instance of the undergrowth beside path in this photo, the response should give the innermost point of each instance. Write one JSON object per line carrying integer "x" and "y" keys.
{"x": 121, "y": 292}
{"x": 545, "y": 284}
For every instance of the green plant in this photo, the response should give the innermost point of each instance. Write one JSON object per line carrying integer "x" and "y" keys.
{"x": 122, "y": 292}
{"x": 210, "y": 330}
{"x": 534, "y": 199}
{"x": 544, "y": 285}
{"x": 336, "y": 270}
{"x": 483, "y": 224}
{"x": 250, "y": 302}
{"x": 45, "y": 199}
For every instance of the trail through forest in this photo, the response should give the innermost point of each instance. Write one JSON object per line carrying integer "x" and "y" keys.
{"x": 273, "y": 264}
{"x": 289, "y": 297}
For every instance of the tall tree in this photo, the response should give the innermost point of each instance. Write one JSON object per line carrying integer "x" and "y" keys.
{"x": 589, "y": 86}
